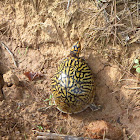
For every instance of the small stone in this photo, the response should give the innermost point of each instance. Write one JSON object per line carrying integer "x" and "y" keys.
{"x": 11, "y": 79}
{"x": 15, "y": 80}
{"x": 7, "y": 78}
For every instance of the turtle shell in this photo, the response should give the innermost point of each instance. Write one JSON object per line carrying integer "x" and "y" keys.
{"x": 72, "y": 85}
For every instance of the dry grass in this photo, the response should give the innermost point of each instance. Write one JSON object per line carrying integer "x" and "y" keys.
{"x": 121, "y": 23}
{"x": 120, "y": 20}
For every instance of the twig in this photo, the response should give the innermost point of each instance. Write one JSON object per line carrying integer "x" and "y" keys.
{"x": 102, "y": 9}
{"x": 55, "y": 136}
{"x": 136, "y": 109}
{"x": 129, "y": 80}
{"x": 68, "y": 5}
{"x": 9, "y": 53}
{"x": 114, "y": 42}
{"x": 14, "y": 126}
{"x": 134, "y": 88}
{"x": 43, "y": 109}
{"x": 133, "y": 133}
{"x": 137, "y": 11}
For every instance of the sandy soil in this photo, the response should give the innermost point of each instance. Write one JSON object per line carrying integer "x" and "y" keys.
{"x": 40, "y": 35}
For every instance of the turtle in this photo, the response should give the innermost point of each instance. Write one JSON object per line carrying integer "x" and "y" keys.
{"x": 73, "y": 84}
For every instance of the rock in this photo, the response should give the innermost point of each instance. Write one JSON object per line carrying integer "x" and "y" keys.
{"x": 15, "y": 79}
{"x": 101, "y": 129}
{"x": 10, "y": 78}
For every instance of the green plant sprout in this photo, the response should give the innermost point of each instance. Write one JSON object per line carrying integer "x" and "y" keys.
{"x": 26, "y": 50}
{"x": 102, "y": 0}
{"x": 25, "y": 136}
{"x": 40, "y": 127}
{"x": 137, "y": 65}
{"x": 60, "y": 130}
{"x": 50, "y": 100}
{"x": 19, "y": 52}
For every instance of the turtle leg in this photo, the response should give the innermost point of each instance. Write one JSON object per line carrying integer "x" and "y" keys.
{"x": 95, "y": 107}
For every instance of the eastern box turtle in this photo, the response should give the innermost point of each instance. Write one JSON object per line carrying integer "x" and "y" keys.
{"x": 73, "y": 84}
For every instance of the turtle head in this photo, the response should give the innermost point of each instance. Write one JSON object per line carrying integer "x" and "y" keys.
{"x": 76, "y": 48}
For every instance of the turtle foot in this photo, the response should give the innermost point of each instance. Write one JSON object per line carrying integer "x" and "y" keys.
{"x": 95, "y": 107}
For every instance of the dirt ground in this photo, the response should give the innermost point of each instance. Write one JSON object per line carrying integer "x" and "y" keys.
{"x": 40, "y": 34}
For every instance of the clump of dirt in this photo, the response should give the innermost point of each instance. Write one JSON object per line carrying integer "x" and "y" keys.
{"x": 40, "y": 34}
{"x": 100, "y": 129}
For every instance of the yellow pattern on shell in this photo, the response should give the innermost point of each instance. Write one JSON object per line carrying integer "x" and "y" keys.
{"x": 73, "y": 85}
